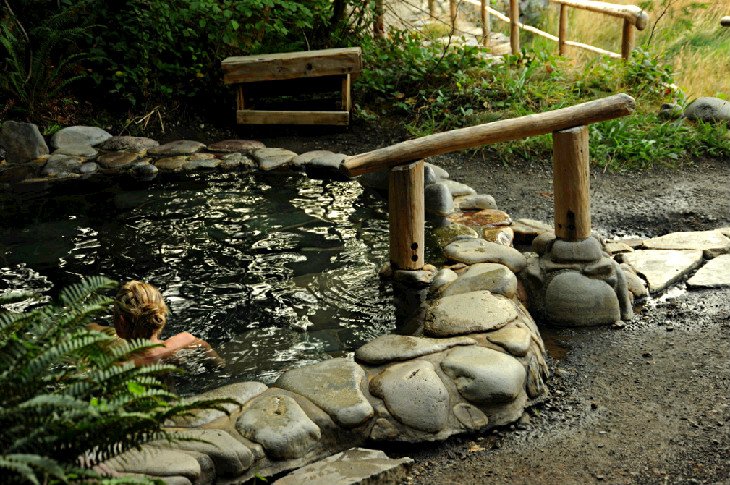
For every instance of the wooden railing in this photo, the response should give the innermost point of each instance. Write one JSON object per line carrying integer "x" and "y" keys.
{"x": 569, "y": 127}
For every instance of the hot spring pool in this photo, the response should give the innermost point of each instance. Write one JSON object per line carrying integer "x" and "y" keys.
{"x": 272, "y": 270}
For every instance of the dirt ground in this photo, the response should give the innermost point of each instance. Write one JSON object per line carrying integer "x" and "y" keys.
{"x": 645, "y": 404}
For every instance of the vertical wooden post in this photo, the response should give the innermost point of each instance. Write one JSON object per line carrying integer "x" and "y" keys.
{"x": 432, "y": 8}
{"x": 571, "y": 184}
{"x": 379, "y": 22}
{"x": 453, "y": 13}
{"x": 562, "y": 26}
{"x": 627, "y": 40}
{"x": 346, "y": 103}
{"x": 240, "y": 99}
{"x": 486, "y": 27}
{"x": 514, "y": 31}
{"x": 407, "y": 216}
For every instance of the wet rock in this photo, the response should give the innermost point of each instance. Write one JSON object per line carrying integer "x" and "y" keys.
{"x": 714, "y": 274}
{"x": 482, "y": 218}
{"x": 415, "y": 278}
{"x": 22, "y": 142}
{"x": 476, "y": 202}
{"x": 144, "y": 170}
{"x": 389, "y": 348}
{"x": 333, "y": 385}
{"x": 280, "y": 425}
{"x": 493, "y": 277}
{"x": 478, "y": 311}
{"x": 128, "y": 144}
{"x": 77, "y": 151}
{"x": 171, "y": 164}
{"x": 526, "y": 230}
{"x": 445, "y": 235}
{"x": 708, "y": 109}
{"x": 88, "y": 168}
{"x": 438, "y": 199}
{"x": 443, "y": 278}
{"x": 661, "y": 268}
{"x": 602, "y": 269}
{"x": 79, "y": 135}
{"x": 439, "y": 172}
{"x": 414, "y": 395}
{"x": 236, "y": 146}
{"x": 231, "y": 161}
{"x": 706, "y": 241}
{"x": 375, "y": 180}
{"x": 352, "y": 467}
{"x": 515, "y": 340}
{"x": 273, "y": 158}
{"x": 201, "y": 163}
{"x": 584, "y": 251}
{"x": 159, "y": 463}
{"x": 176, "y": 148}
{"x": 484, "y": 375}
{"x": 230, "y": 456}
{"x": 15, "y": 173}
{"x": 58, "y": 164}
{"x": 576, "y": 300}
{"x": 634, "y": 283}
{"x": 457, "y": 188}
{"x": 240, "y": 392}
{"x": 117, "y": 160}
{"x": 471, "y": 417}
{"x": 471, "y": 251}
{"x": 320, "y": 159}
{"x": 500, "y": 235}
{"x": 542, "y": 243}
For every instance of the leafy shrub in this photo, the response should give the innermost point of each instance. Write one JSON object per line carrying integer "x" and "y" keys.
{"x": 70, "y": 392}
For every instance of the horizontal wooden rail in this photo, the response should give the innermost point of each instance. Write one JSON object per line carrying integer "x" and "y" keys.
{"x": 635, "y": 15}
{"x": 603, "y": 109}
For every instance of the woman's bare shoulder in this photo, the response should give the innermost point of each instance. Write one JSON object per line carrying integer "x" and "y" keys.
{"x": 183, "y": 339}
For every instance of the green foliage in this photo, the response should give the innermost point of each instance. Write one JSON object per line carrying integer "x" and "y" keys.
{"x": 71, "y": 396}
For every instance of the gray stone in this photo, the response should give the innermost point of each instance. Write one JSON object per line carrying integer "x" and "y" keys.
{"x": 457, "y": 188}
{"x": 414, "y": 395}
{"x": 171, "y": 164}
{"x": 429, "y": 176}
{"x": 661, "y": 268}
{"x": 576, "y": 300}
{"x": 240, "y": 392}
{"x": 388, "y": 348}
{"x": 280, "y": 425}
{"x": 273, "y": 158}
{"x": 384, "y": 430}
{"x": 231, "y": 161}
{"x": 159, "y": 462}
{"x": 484, "y": 375}
{"x": 670, "y": 111}
{"x": 79, "y": 135}
{"x": 201, "y": 163}
{"x": 471, "y": 417}
{"x": 443, "y": 278}
{"x": 636, "y": 285}
{"x": 439, "y": 172}
{"x": 128, "y": 144}
{"x": 714, "y": 274}
{"x": 438, "y": 199}
{"x": 58, "y": 164}
{"x": 617, "y": 247}
{"x": 230, "y": 456}
{"x": 333, "y": 385}
{"x": 445, "y": 235}
{"x": 493, "y": 277}
{"x": 77, "y": 151}
{"x": 503, "y": 235}
{"x": 602, "y": 269}
{"x": 320, "y": 159}
{"x": 478, "y": 311}
{"x": 543, "y": 242}
{"x": 117, "y": 160}
{"x": 471, "y": 251}
{"x": 477, "y": 201}
{"x": 352, "y": 467}
{"x": 708, "y": 109}
{"x": 144, "y": 171}
{"x": 526, "y": 230}
{"x": 515, "y": 340}
{"x": 415, "y": 278}
{"x": 584, "y": 251}
{"x": 621, "y": 288}
{"x": 88, "y": 168}
{"x": 175, "y": 148}
{"x": 236, "y": 146}
{"x": 707, "y": 241}
{"x": 22, "y": 142}
{"x": 375, "y": 180}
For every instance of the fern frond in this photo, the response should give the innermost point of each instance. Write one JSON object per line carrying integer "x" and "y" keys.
{"x": 86, "y": 287}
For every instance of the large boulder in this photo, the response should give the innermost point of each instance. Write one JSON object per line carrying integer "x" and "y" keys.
{"x": 22, "y": 142}
{"x": 708, "y": 109}
{"x": 79, "y": 135}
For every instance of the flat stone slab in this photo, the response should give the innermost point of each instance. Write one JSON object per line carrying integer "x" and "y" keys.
{"x": 457, "y": 188}
{"x": 476, "y": 202}
{"x": 445, "y": 235}
{"x": 484, "y": 375}
{"x": 78, "y": 151}
{"x": 484, "y": 217}
{"x": 230, "y": 456}
{"x": 503, "y": 235}
{"x": 273, "y": 158}
{"x": 236, "y": 146}
{"x": 443, "y": 277}
{"x": 171, "y": 164}
{"x": 515, "y": 340}
{"x": 280, "y": 425}
{"x": 195, "y": 163}
{"x": 241, "y": 392}
{"x": 585, "y": 251}
{"x": 702, "y": 240}
{"x": 79, "y": 135}
{"x": 334, "y": 386}
{"x": 714, "y": 274}
{"x": 389, "y": 348}
{"x": 231, "y": 161}
{"x": 493, "y": 277}
{"x": 128, "y": 143}
{"x": 414, "y": 395}
{"x": 477, "y": 311}
{"x": 471, "y": 251}
{"x": 159, "y": 462}
{"x": 661, "y": 267}
{"x": 352, "y": 467}
{"x": 117, "y": 160}
{"x": 320, "y": 158}
{"x": 177, "y": 147}
{"x": 528, "y": 229}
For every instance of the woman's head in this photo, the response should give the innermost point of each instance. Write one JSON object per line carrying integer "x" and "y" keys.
{"x": 139, "y": 311}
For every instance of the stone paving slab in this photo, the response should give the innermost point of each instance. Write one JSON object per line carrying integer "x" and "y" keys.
{"x": 714, "y": 274}
{"x": 700, "y": 240}
{"x": 389, "y": 348}
{"x": 661, "y": 268}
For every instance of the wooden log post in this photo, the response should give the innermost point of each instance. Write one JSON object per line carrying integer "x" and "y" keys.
{"x": 407, "y": 216}
{"x": 486, "y": 23}
{"x": 432, "y": 8}
{"x": 379, "y": 21}
{"x": 562, "y": 28}
{"x": 453, "y": 13}
{"x": 627, "y": 39}
{"x": 571, "y": 184}
{"x": 514, "y": 27}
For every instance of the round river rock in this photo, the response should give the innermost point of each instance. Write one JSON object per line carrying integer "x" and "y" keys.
{"x": 477, "y": 311}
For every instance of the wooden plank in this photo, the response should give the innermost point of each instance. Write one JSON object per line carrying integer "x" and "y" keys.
{"x": 514, "y": 30}
{"x": 571, "y": 184}
{"x": 240, "y": 98}
{"x": 262, "y": 117}
{"x": 604, "y": 109}
{"x": 627, "y": 40}
{"x": 346, "y": 103}
{"x": 638, "y": 17}
{"x": 407, "y": 216}
{"x": 269, "y": 67}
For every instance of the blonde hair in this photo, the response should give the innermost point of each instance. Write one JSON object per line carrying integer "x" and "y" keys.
{"x": 139, "y": 311}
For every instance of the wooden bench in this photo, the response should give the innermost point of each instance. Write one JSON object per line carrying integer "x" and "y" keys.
{"x": 280, "y": 74}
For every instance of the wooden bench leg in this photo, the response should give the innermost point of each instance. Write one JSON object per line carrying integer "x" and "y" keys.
{"x": 240, "y": 100}
{"x": 346, "y": 103}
